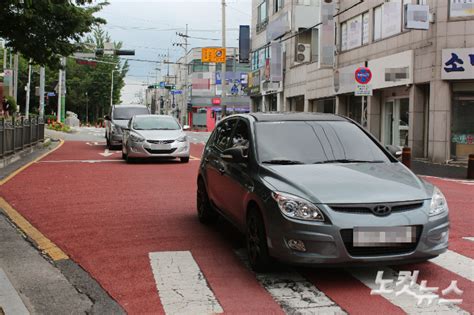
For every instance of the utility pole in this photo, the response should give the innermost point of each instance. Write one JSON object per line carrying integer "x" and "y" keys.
{"x": 41, "y": 92}
{"x": 224, "y": 66}
{"x": 15, "y": 79}
{"x": 28, "y": 91}
{"x": 61, "y": 90}
{"x": 87, "y": 109}
{"x": 184, "y": 108}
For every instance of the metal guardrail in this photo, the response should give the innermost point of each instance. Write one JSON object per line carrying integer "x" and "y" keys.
{"x": 17, "y": 134}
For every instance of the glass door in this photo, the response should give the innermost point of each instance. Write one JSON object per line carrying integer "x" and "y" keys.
{"x": 396, "y": 122}
{"x": 388, "y": 122}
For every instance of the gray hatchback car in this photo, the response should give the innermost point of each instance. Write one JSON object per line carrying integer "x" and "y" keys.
{"x": 318, "y": 189}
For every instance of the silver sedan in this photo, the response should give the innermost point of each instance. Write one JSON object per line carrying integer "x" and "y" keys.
{"x": 149, "y": 136}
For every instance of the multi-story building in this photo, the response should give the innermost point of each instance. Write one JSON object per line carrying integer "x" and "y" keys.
{"x": 205, "y": 83}
{"x": 423, "y": 79}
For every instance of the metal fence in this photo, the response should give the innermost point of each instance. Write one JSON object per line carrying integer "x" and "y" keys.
{"x": 17, "y": 134}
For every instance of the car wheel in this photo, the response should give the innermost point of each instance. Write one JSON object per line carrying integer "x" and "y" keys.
{"x": 128, "y": 159}
{"x": 184, "y": 159}
{"x": 256, "y": 239}
{"x": 206, "y": 214}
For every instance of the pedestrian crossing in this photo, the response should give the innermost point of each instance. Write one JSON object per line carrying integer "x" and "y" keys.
{"x": 183, "y": 288}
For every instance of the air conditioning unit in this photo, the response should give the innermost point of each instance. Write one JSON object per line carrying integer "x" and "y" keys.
{"x": 303, "y": 53}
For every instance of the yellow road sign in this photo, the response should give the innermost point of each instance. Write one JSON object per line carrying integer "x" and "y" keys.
{"x": 215, "y": 55}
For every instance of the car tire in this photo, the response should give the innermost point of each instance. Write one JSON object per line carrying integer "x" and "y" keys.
{"x": 128, "y": 159}
{"x": 184, "y": 159}
{"x": 256, "y": 241}
{"x": 206, "y": 214}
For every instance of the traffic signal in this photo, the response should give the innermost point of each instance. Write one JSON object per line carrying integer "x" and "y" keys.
{"x": 190, "y": 107}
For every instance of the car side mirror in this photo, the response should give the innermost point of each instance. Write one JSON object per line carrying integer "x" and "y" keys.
{"x": 107, "y": 117}
{"x": 186, "y": 127}
{"x": 394, "y": 150}
{"x": 234, "y": 155}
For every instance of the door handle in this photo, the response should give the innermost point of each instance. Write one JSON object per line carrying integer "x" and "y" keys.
{"x": 206, "y": 159}
{"x": 221, "y": 170}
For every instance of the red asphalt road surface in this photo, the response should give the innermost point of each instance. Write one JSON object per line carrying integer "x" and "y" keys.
{"x": 109, "y": 216}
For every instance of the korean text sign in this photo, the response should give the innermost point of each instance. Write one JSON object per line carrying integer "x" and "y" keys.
{"x": 457, "y": 64}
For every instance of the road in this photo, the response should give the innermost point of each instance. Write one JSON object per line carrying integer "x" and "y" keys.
{"x": 92, "y": 134}
{"x": 134, "y": 229}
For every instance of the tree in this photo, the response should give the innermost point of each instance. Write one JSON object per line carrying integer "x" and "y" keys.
{"x": 44, "y": 30}
{"x": 95, "y": 80}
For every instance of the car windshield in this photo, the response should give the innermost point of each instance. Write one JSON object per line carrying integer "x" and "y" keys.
{"x": 126, "y": 113}
{"x": 155, "y": 123}
{"x": 315, "y": 142}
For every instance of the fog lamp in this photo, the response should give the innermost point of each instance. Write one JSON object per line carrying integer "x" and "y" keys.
{"x": 297, "y": 245}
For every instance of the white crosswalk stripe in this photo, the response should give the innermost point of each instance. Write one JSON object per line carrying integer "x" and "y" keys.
{"x": 454, "y": 262}
{"x": 184, "y": 290}
{"x": 181, "y": 284}
{"x": 295, "y": 294}
{"x": 10, "y": 301}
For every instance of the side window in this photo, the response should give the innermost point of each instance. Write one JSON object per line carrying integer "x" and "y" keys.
{"x": 241, "y": 136}
{"x": 222, "y": 138}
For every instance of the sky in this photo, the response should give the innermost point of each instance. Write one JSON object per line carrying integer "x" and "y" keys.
{"x": 150, "y": 27}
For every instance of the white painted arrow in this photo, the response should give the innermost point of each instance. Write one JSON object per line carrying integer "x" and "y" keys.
{"x": 106, "y": 153}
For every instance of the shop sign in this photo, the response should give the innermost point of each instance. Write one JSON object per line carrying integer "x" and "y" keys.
{"x": 457, "y": 64}
{"x": 461, "y": 8}
{"x": 393, "y": 70}
{"x": 463, "y": 138}
{"x": 343, "y": 79}
{"x": 254, "y": 82}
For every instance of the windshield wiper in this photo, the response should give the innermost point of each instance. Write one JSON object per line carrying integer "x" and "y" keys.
{"x": 283, "y": 162}
{"x": 347, "y": 161}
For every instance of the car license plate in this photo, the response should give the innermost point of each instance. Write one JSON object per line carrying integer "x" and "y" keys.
{"x": 161, "y": 146}
{"x": 383, "y": 236}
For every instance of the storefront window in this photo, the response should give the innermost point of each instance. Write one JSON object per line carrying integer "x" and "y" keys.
{"x": 354, "y": 109}
{"x": 462, "y": 125}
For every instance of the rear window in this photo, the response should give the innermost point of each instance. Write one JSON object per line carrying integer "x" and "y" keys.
{"x": 126, "y": 113}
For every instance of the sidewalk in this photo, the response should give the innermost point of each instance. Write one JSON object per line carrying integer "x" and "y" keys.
{"x": 31, "y": 282}
{"x": 421, "y": 167}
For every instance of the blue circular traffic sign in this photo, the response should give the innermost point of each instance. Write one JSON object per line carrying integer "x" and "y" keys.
{"x": 363, "y": 75}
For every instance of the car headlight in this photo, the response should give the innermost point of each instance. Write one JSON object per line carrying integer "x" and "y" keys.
{"x": 116, "y": 129}
{"x": 136, "y": 137}
{"x": 439, "y": 204}
{"x": 297, "y": 208}
{"x": 182, "y": 139}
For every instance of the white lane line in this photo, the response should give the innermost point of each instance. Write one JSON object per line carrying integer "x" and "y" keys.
{"x": 181, "y": 284}
{"x": 80, "y": 161}
{"x": 454, "y": 262}
{"x": 295, "y": 294}
{"x": 406, "y": 302}
{"x": 469, "y": 239}
{"x": 10, "y": 301}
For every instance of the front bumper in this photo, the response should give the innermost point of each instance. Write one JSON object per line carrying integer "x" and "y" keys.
{"x": 329, "y": 243}
{"x": 148, "y": 150}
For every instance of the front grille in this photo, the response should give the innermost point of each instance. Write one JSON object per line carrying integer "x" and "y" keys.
{"x": 161, "y": 151}
{"x": 160, "y": 141}
{"x": 367, "y": 208}
{"x": 403, "y": 248}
